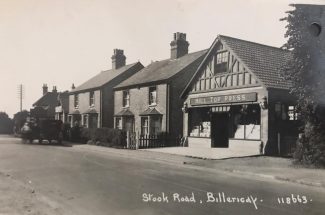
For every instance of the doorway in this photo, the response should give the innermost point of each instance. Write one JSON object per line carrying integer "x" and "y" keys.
{"x": 220, "y": 130}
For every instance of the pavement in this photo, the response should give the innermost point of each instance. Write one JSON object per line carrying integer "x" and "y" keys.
{"x": 275, "y": 168}
{"x": 204, "y": 153}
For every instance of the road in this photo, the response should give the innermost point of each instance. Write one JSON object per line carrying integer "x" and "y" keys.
{"x": 74, "y": 181}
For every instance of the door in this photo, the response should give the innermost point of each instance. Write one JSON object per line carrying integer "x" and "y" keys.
{"x": 219, "y": 130}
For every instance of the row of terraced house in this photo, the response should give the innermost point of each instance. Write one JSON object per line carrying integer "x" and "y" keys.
{"x": 230, "y": 95}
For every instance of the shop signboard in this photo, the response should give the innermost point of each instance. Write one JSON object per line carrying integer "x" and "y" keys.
{"x": 224, "y": 99}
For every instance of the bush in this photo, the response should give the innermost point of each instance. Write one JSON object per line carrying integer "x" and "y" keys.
{"x": 104, "y": 137}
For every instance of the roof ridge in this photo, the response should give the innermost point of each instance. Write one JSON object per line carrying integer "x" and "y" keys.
{"x": 169, "y": 59}
{"x": 260, "y": 44}
{"x": 130, "y": 64}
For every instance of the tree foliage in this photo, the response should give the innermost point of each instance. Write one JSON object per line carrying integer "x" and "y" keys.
{"x": 6, "y": 124}
{"x": 19, "y": 120}
{"x": 305, "y": 70}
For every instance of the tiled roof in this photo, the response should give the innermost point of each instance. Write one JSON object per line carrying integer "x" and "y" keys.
{"x": 161, "y": 70}
{"x": 264, "y": 61}
{"x": 124, "y": 112}
{"x": 103, "y": 78}
{"x": 150, "y": 111}
{"x": 49, "y": 99}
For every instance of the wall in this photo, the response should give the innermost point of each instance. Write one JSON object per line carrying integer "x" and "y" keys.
{"x": 108, "y": 95}
{"x": 139, "y": 102}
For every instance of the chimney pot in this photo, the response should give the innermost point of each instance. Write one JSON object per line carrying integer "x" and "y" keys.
{"x": 45, "y": 88}
{"x": 118, "y": 59}
{"x": 179, "y": 46}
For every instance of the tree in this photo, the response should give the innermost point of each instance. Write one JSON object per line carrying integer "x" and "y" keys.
{"x": 6, "y": 124}
{"x": 19, "y": 120}
{"x": 305, "y": 70}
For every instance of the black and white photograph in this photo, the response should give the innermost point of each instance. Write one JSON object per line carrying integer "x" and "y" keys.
{"x": 145, "y": 107}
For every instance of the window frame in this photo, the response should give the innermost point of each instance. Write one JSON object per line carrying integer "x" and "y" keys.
{"x": 76, "y": 100}
{"x": 125, "y": 98}
{"x": 91, "y": 98}
{"x": 149, "y": 96}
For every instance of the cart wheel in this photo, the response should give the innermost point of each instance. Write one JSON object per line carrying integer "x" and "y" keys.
{"x": 23, "y": 141}
{"x": 30, "y": 141}
{"x": 50, "y": 141}
{"x": 40, "y": 141}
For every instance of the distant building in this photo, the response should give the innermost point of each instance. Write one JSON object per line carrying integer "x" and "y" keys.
{"x": 238, "y": 100}
{"x": 62, "y": 108}
{"x": 92, "y": 103}
{"x": 44, "y": 108}
{"x": 149, "y": 101}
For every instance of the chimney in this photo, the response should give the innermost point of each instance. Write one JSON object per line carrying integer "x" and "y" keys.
{"x": 45, "y": 88}
{"x": 54, "y": 89}
{"x": 118, "y": 59}
{"x": 179, "y": 46}
{"x": 73, "y": 87}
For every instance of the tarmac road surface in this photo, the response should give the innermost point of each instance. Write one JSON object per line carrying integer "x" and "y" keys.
{"x": 75, "y": 181}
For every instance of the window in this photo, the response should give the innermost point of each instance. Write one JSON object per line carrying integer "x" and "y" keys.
{"x": 118, "y": 123}
{"x": 91, "y": 99}
{"x": 76, "y": 100}
{"x": 155, "y": 125}
{"x": 153, "y": 95}
{"x": 85, "y": 121}
{"x": 144, "y": 125}
{"x": 221, "y": 60}
{"x": 292, "y": 113}
{"x": 126, "y": 98}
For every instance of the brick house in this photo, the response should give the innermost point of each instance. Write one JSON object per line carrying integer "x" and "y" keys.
{"x": 149, "y": 101}
{"x": 92, "y": 103}
{"x": 237, "y": 99}
{"x": 44, "y": 107}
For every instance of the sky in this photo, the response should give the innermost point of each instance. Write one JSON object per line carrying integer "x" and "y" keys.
{"x": 69, "y": 41}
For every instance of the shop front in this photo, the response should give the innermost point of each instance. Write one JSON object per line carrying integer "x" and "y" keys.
{"x": 227, "y": 120}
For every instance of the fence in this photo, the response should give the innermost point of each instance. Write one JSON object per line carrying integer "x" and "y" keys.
{"x": 137, "y": 141}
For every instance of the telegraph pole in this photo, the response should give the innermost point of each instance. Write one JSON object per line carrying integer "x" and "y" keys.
{"x": 21, "y": 93}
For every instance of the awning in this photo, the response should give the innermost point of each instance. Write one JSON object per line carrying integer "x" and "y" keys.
{"x": 150, "y": 111}
{"x": 91, "y": 111}
{"x": 124, "y": 112}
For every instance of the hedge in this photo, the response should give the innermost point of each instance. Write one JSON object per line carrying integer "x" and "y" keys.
{"x": 104, "y": 137}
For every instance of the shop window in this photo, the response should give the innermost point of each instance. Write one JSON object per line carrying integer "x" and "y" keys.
{"x": 245, "y": 122}
{"x": 144, "y": 125}
{"x": 76, "y": 100}
{"x": 118, "y": 123}
{"x": 91, "y": 98}
{"x": 126, "y": 98}
{"x": 153, "y": 95}
{"x": 292, "y": 113}
{"x": 221, "y": 60}
{"x": 200, "y": 125}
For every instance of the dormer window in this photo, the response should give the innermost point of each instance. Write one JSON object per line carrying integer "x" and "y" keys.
{"x": 126, "y": 98}
{"x": 91, "y": 98}
{"x": 76, "y": 100}
{"x": 153, "y": 95}
{"x": 221, "y": 60}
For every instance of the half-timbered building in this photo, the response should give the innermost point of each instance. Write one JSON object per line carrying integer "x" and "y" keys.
{"x": 237, "y": 99}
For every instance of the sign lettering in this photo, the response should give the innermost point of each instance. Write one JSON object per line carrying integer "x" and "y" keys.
{"x": 244, "y": 97}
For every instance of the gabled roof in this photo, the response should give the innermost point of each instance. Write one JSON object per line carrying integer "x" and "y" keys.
{"x": 262, "y": 60}
{"x": 161, "y": 70}
{"x": 150, "y": 111}
{"x": 103, "y": 78}
{"x": 124, "y": 112}
{"x": 49, "y": 99}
